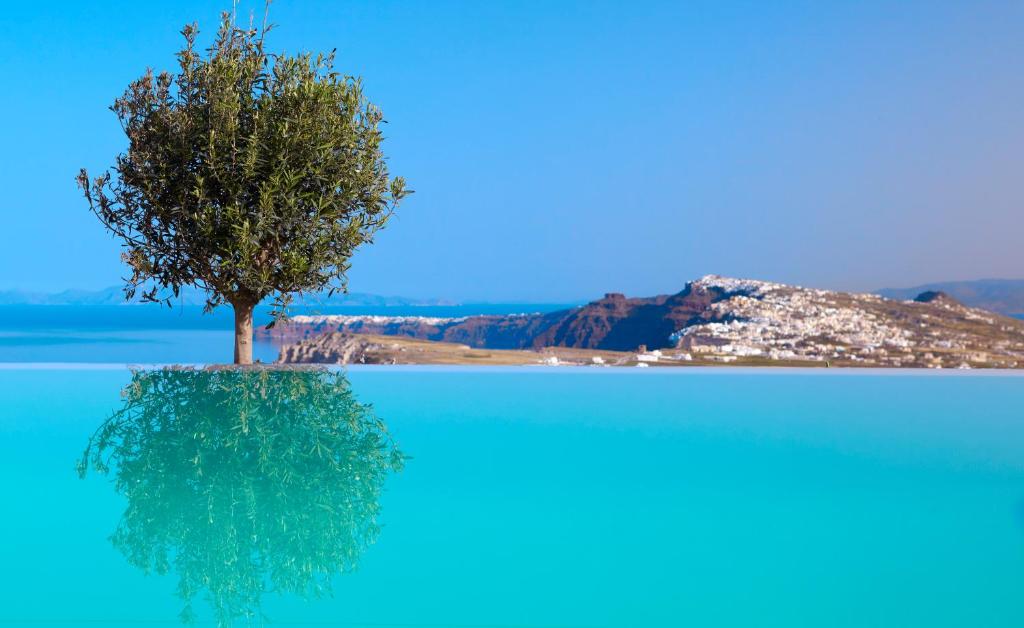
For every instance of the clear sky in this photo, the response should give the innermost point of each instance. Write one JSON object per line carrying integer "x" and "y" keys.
{"x": 561, "y": 149}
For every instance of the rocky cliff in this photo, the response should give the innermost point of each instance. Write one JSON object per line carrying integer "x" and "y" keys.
{"x": 725, "y": 319}
{"x": 612, "y": 323}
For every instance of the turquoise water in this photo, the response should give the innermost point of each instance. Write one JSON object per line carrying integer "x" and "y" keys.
{"x": 455, "y": 497}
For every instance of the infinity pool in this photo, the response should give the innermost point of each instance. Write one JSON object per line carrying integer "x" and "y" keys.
{"x": 531, "y": 497}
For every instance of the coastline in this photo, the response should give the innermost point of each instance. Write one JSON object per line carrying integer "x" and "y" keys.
{"x": 540, "y": 368}
{"x": 712, "y": 320}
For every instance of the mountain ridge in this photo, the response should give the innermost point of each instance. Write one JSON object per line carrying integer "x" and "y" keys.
{"x": 726, "y": 319}
{"x": 1002, "y": 296}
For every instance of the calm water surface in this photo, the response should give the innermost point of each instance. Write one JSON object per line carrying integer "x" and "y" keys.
{"x": 453, "y": 497}
{"x": 152, "y": 334}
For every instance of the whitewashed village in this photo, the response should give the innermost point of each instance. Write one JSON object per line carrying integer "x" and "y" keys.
{"x": 785, "y": 323}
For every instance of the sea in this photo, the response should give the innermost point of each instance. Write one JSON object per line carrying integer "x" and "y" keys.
{"x": 153, "y": 334}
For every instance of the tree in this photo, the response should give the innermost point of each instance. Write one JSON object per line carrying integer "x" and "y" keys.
{"x": 248, "y": 175}
{"x": 244, "y": 480}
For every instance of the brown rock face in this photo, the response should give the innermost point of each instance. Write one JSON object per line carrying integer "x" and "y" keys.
{"x": 616, "y": 323}
{"x": 613, "y": 323}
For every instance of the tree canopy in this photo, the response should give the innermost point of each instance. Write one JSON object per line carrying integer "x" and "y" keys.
{"x": 247, "y": 174}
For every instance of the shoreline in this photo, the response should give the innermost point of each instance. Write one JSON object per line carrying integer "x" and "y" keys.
{"x": 539, "y": 368}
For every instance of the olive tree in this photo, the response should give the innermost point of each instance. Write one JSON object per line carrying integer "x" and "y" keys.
{"x": 248, "y": 175}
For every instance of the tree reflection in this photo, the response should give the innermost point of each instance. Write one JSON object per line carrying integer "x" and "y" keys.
{"x": 244, "y": 481}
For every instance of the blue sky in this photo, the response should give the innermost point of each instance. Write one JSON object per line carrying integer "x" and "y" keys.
{"x": 560, "y": 150}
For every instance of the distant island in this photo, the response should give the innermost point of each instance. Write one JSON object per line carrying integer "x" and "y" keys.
{"x": 114, "y": 295}
{"x": 713, "y": 320}
{"x": 1003, "y": 296}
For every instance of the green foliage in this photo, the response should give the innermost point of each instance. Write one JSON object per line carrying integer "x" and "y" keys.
{"x": 244, "y": 480}
{"x": 247, "y": 174}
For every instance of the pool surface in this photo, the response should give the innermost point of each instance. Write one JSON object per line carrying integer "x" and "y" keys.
{"x": 511, "y": 497}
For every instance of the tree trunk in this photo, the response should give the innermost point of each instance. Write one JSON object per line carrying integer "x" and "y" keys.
{"x": 243, "y": 333}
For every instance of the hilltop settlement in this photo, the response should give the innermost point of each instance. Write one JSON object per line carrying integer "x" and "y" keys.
{"x": 713, "y": 320}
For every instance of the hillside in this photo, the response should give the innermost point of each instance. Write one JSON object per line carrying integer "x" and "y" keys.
{"x": 1003, "y": 296}
{"x": 347, "y": 348}
{"x": 725, "y": 320}
{"x": 613, "y": 323}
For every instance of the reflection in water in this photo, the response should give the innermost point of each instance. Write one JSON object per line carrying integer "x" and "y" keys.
{"x": 244, "y": 481}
